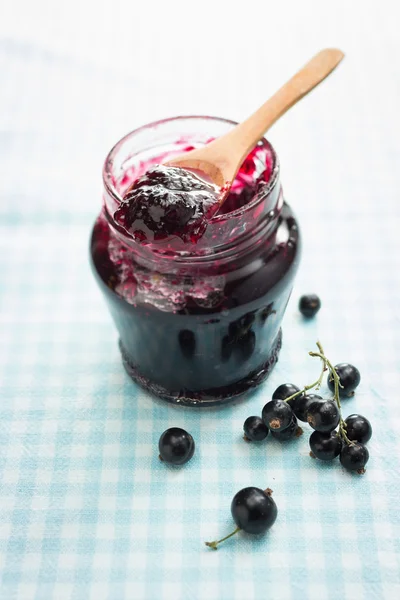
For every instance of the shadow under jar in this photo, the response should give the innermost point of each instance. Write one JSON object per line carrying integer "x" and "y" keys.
{"x": 199, "y": 323}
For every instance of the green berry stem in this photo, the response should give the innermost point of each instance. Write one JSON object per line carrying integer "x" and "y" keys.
{"x": 316, "y": 384}
{"x": 336, "y": 396}
{"x": 214, "y": 545}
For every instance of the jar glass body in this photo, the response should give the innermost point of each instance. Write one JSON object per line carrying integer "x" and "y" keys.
{"x": 199, "y": 324}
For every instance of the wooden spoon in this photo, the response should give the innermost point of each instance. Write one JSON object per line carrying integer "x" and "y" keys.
{"x": 221, "y": 159}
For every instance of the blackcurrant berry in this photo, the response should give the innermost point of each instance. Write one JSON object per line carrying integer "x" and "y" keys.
{"x": 323, "y": 415}
{"x": 277, "y": 415}
{"x": 290, "y": 432}
{"x": 176, "y": 446}
{"x": 349, "y": 377}
{"x": 285, "y": 391}
{"x": 255, "y": 429}
{"x": 254, "y": 510}
{"x": 309, "y": 305}
{"x": 325, "y": 446}
{"x": 301, "y": 404}
{"x": 358, "y": 428}
{"x": 354, "y": 457}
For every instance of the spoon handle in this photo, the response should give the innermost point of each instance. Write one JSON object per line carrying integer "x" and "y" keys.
{"x": 245, "y": 135}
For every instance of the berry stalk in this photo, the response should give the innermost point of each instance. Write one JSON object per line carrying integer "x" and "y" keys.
{"x": 214, "y": 545}
{"x": 336, "y": 397}
{"x": 317, "y": 384}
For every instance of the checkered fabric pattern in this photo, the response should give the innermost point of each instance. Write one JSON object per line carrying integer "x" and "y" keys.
{"x": 87, "y": 511}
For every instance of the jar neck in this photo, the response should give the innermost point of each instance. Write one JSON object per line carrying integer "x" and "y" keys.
{"x": 264, "y": 222}
{"x": 226, "y": 235}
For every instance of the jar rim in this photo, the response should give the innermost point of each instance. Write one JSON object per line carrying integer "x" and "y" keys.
{"x": 107, "y": 167}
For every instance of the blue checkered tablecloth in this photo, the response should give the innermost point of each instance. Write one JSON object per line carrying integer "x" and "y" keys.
{"x": 87, "y": 511}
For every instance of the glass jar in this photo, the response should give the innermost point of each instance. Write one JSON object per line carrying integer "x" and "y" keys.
{"x": 199, "y": 324}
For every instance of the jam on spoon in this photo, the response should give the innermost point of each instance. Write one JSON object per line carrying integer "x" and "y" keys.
{"x": 167, "y": 201}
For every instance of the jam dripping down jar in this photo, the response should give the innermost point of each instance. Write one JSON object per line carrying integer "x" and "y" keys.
{"x": 198, "y": 323}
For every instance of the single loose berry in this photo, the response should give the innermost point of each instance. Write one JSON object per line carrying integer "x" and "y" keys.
{"x": 254, "y": 510}
{"x": 309, "y": 305}
{"x": 323, "y": 415}
{"x": 349, "y": 377}
{"x": 358, "y": 428}
{"x": 301, "y": 404}
{"x": 325, "y": 446}
{"x": 289, "y": 433}
{"x": 354, "y": 457}
{"x": 277, "y": 415}
{"x": 255, "y": 429}
{"x": 176, "y": 446}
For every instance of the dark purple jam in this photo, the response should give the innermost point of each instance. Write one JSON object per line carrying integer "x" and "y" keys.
{"x": 250, "y": 180}
{"x": 170, "y": 201}
{"x": 167, "y": 201}
{"x": 200, "y": 323}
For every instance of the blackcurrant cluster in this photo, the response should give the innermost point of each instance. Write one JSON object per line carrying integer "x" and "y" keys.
{"x": 277, "y": 417}
{"x": 332, "y": 436}
{"x": 253, "y": 509}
